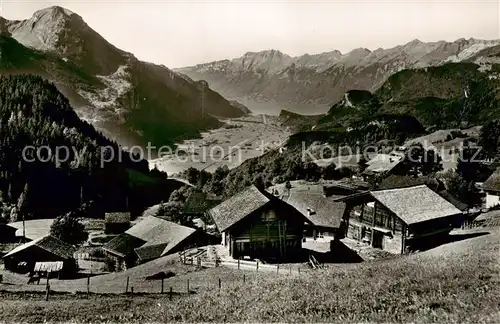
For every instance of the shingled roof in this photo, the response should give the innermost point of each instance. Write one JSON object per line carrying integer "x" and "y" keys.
{"x": 123, "y": 244}
{"x": 117, "y": 218}
{"x": 237, "y": 207}
{"x": 383, "y": 163}
{"x": 320, "y": 210}
{"x": 493, "y": 182}
{"x": 453, "y": 200}
{"x": 415, "y": 204}
{"x": 50, "y": 244}
{"x": 310, "y": 200}
{"x": 151, "y": 238}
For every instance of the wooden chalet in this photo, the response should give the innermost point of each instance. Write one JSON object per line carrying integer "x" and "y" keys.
{"x": 399, "y": 220}
{"x": 45, "y": 249}
{"x": 256, "y": 224}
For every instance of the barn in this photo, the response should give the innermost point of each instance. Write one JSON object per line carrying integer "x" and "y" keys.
{"x": 116, "y": 223}
{"x": 256, "y": 224}
{"x": 45, "y": 249}
{"x": 149, "y": 239}
{"x": 400, "y": 220}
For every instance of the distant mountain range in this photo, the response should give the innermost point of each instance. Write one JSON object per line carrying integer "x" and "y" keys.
{"x": 131, "y": 101}
{"x": 269, "y": 81}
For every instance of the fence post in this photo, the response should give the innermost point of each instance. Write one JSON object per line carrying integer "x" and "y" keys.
{"x": 126, "y": 287}
{"x": 277, "y": 268}
{"x": 219, "y": 284}
{"x": 88, "y": 285}
{"x": 170, "y": 295}
{"x": 47, "y": 292}
{"x": 239, "y": 264}
{"x": 162, "y": 285}
{"x": 243, "y": 278}
{"x": 257, "y": 265}
{"x": 290, "y": 269}
{"x": 299, "y": 271}
{"x": 131, "y": 291}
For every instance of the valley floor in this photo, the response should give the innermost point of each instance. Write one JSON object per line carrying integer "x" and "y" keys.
{"x": 240, "y": 139}
{"x": 456, "y": 282}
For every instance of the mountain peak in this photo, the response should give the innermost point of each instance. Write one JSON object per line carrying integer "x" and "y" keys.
{"x": 415, "y": 41}
{"x": 54, "y": 11}
{"x": 265, "y": 53}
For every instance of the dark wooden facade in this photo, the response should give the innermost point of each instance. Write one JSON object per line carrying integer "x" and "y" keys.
{"x": 24, "y": 261}
{"x": 274, "y": 231}
{"x": 371, "y": 222}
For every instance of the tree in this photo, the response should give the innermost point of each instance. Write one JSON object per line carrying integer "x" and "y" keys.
{"x": 469, "y": 163}
{"x": 419, "y": 161}
{"x": 488, "y": 138}
{"x": 259, "y": 182}
{"x": 69, "y": 229}
{"x": 174, "y": 212}
{"x": 22, "y": 203}
{"x": 329, "y": 172}
{"x": 362, "y": 164}
{"x": 192, "y": 175}
{"x": 461, "y": 188}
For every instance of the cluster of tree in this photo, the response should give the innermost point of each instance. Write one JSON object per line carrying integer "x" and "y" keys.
{"x": 69, "y": 228}
{"x": 51, "y": 162}
{"x": 173, "y": 209}
{"x": 264, "y": 171}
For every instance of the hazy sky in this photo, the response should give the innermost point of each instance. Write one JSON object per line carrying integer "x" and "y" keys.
{"x": 180, "y": 33}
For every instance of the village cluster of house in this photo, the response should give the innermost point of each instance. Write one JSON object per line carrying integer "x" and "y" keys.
{"x": 273, "y": 223}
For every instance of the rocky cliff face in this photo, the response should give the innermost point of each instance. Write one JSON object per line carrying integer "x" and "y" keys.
{"x": 270, "y": 81}
{"x": 131, "y": 101}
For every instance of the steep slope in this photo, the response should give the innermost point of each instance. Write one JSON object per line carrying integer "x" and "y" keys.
{"x": 132, "y": 101}
{"x": 309, "y": 84}
{"x": 58, "y": 160}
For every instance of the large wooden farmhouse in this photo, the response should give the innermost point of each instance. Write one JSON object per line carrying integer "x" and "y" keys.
{"x": 399, "y": 220}
{"x": 257, "y": 224}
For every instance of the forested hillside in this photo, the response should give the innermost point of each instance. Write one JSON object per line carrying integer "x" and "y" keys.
{"x": 447, "y": 96}
{"x": 51, "y": 162}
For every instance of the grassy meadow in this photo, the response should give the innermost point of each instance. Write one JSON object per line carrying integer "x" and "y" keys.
{"x": 457, "y": 282}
